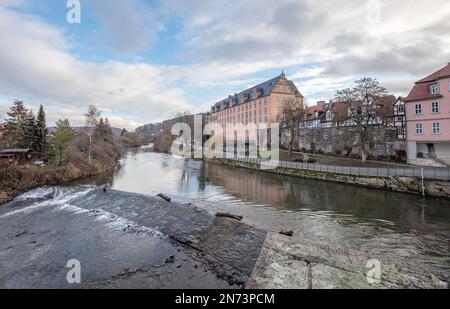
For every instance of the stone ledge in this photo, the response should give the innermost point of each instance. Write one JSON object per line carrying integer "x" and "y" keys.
{"x": 294, "y": 263}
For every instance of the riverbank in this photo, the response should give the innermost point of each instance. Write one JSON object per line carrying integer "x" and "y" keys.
{"x": 15, "y": 180}
{"x": 412, "y": 185}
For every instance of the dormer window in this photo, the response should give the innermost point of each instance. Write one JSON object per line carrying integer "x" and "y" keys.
{"x": 434, "y": 89}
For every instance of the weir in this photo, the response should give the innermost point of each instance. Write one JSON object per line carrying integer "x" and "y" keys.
{"x": 133, "y": 240}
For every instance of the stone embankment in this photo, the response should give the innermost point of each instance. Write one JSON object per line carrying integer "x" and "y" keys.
{"x": 411, "y": 185}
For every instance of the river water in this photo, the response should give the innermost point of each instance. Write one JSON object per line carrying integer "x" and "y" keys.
{"x": 391, "y": 227}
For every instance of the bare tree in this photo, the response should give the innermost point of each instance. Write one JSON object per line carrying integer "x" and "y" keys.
{"x": 364, "y": 110}
{"x": 184, "y": 117}
{"x": 293, "y": 115}
{"x": 91, "y": 121}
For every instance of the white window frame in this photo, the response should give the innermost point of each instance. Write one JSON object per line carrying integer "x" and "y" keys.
{"x": 434, "y": 88}
{"x": 435, "y": 107}
{"x": 436, "y": 128}
{"x": 419, "y": 128}
{"x": 418, "y": 109}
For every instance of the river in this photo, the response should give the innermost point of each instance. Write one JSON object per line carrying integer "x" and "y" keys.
{"x": 388, "y": 226}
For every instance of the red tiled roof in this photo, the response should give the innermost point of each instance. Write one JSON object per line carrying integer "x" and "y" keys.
{"x": 312, "y": 109}
{"x": 421, "y": 90}
{"x": 444, "y": 72}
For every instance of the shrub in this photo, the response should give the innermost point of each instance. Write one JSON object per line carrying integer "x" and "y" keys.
{"x": 400, "y": 156}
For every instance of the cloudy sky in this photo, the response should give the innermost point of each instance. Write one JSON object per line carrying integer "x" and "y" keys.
{"x": 141, "y": 61}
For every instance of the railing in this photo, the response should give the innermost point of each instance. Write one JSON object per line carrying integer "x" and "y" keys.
{"x": 429, "y": 173}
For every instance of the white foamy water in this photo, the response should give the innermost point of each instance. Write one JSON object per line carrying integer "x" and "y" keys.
{"x": 36, "y": 193}
{"x": 61, "y": 201}
{"x": 26, "y": 210}
{"x": 61, "y": 197}
{"x": 119, "y": 223}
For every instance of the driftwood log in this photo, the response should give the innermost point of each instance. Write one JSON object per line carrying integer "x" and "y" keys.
{"x": 227, "y": 215}
{"x": 164, "y": 197}
{"x": 287, "y": 233}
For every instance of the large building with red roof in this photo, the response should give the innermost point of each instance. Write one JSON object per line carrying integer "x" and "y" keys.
{"x": 260, "y": 104}
{"x": 428, "y": 119}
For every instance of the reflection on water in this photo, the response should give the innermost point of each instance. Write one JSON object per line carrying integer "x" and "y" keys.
{"x": 385, "y": 225}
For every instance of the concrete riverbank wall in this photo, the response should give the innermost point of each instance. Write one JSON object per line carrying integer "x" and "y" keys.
{"x": 412, "y": 185}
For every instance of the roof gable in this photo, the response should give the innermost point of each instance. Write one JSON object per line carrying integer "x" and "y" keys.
{"x": 262, "y": 90}
{"x": 421, "y": 90}
{"x": 444, "y": 72}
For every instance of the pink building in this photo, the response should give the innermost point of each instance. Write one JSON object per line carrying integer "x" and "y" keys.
{"x": 428, "y": 119}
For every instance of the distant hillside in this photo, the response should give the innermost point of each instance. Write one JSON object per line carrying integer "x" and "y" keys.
{"x": 116, "y": 131}
{"x": 165, "y": 126}
{"x": 155, "y": 128}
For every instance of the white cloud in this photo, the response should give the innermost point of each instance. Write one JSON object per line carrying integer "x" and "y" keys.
{"x": 130, "y": 25}
{"x": 227, "y": 45}
{"x": 410, "y": 40}
{"x": 36, "y": 65}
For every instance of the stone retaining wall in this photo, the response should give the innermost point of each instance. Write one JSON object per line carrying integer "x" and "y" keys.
{"x": 411, "y": 185}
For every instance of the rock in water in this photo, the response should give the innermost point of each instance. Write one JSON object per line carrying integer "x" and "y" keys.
{"x": 164, "y": 197}
{"x": 287, "y": 233}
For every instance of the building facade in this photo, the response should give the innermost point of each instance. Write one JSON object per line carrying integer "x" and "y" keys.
{"x": 428, "y": 119}
{"x": 262, "y": 103}
{"x": 399, "y": 120}
{"x": 320, "y": 132}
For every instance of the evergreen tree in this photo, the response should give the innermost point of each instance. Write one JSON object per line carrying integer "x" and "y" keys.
{"x": 60, "y": 140}
{"x": 16, "y": 125}
{"x": 108, "y": 130}
{"x": 41, "y": 132}
{"x": 30, "y": 132}
{"x": 103, "y": 131}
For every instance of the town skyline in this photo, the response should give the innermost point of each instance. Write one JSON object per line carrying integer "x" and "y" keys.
{"x": 143, "y": 61}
